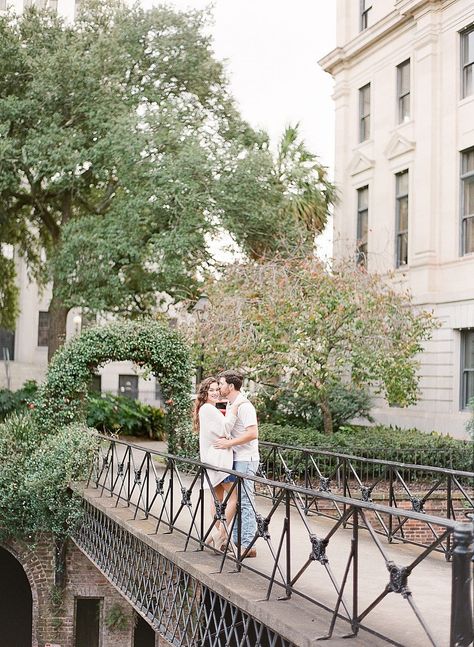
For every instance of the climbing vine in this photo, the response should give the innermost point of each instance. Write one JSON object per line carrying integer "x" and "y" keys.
{"x": 150, "y": 344}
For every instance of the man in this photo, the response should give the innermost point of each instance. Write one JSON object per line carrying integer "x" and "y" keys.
{"x": 244, "y": 442}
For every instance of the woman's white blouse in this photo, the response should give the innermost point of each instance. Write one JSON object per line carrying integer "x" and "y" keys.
{"x": 213, "y": 425}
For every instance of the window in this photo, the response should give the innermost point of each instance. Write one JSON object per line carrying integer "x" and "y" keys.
{"x": 364, "y": 113}
{"x": 403, "y": 91}
{"x": 43, "y": 328}
{"x": 365, "y": 7}
{"x": 96, "y": 383}
{"x": 467, "y": 201}
{"x": 7, "y": 345}
{"x": 128, "y": 386}
{"x": 362, "y": 224}
{"x": 402, "y": 218}
{"x": 467, "y": 367}
{"x": 467, "y": 61}
{"x": 87, "y": 625}
{"x": 3, "y": 5}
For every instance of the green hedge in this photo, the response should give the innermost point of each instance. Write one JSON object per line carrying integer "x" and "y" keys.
{"x": 16, "y": 401}
{"x": 387, "y": 443}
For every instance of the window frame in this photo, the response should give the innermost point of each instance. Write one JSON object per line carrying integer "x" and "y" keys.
{"x": 463, "y": 177}
{"x": 464, "y": 34}
{"x": 463, "y": 383}
{"x": 362, "y": 257}
{"x": 402, "y": 95}
{"x": 398, "y": 232}
{"x": 364, "y": 15}
{"x": 364, "y": 132}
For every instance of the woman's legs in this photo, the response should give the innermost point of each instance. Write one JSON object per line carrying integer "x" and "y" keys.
{"x": 230, "y": 508}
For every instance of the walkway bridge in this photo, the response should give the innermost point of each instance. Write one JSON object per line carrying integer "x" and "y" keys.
{"x": 328, "y": 566}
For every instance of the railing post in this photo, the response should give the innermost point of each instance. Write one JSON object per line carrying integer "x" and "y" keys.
{"x": 238, "y": 512}
{"x": 147, "y": 481}
{"x": 306, "y": 482}
{"x": 288, "y": 544}
{"x": 461, "y": 592}
{"x": 355, "y": 570}
{"x": 448, "y": 514}
{"x": 390, "y": 502}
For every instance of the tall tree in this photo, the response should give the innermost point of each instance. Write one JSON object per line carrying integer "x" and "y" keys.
{"x": 122, "y": 154}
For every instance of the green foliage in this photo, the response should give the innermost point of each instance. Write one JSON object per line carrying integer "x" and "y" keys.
{"x": 186, "y": 440}
{"x": 299, "y": 327}
{"x": 122, "y": 154}
{"x": 116, "y": 619}
{"x": 387, "y": 443}
{"x": 16, "y": 401}
{"x": 35, "y": 475}
{"x": 63, "y": 397}
{"x": 285, "y": 407}
{"x": 118, "y": 414}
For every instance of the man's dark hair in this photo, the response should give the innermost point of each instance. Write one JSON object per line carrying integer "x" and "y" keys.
{"x": 232, "y": 377}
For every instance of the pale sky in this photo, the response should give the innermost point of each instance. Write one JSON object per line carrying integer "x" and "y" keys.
{"x": 272, "y": 48}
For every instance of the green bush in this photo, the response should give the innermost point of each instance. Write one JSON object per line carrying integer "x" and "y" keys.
{"x": 35, "y": 474}
{"x": 387, "y": 443}
{"x": 118, "y": 414}
{"x": 296, "y": 409}
{"x": 16, "y": 401}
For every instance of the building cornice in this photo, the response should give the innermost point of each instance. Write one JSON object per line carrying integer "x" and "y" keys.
{"x": 402, "y": 17}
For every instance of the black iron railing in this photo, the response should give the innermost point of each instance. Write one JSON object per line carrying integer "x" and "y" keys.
{"x": 171, "y": 490}
{"x": 441, "y": 492}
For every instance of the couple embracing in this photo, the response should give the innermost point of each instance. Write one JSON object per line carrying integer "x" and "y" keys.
{"x": 229, "y": 442}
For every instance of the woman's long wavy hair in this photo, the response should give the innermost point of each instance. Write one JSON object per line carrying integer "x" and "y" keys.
{"x": 201, "y": 398}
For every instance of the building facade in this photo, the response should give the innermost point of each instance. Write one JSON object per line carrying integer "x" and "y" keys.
{"x": 404, "y": 167}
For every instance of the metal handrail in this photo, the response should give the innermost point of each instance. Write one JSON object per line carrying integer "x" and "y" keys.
{"x": 137, "y": 483}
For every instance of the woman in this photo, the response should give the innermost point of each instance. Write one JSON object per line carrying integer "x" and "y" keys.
{"x": 211, "y": 424}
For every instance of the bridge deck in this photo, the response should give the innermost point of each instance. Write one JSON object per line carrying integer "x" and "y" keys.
{"x": 297, "y": 619}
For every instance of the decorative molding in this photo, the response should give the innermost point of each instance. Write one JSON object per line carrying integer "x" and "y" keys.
{"x": 398, "y": 145}
{"x": 360, "y": 163}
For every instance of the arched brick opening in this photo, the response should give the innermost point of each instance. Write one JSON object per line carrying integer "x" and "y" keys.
{"x": 33, "y": 571}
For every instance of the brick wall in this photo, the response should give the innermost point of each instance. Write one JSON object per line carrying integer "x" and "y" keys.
{"x": 53, "y": 609}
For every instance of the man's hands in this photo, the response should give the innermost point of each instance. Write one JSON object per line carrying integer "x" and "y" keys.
{"x": 223, "y": 443}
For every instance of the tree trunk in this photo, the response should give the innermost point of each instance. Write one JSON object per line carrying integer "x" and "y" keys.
{"x": 57, "y": 324}
{"x": 57, "y": 311}
{"x": 327, "y": 416}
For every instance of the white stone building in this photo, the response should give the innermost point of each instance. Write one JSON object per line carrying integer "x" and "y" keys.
{"x": 404, "y": 166}
{"x": 24, "y": 351}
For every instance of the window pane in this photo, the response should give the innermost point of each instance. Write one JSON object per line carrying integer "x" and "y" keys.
{"x": 363, "y": 198}
{"x": 364, "y": 129}
{"x": 468, "y": 86}
{"x": 43, "y": 328}
{"x": 468, "y": 349}
{"x": 362, "y": 226}
{"x": 7, "y": 345}
{"x": 402, "y": 252}
{"x": 468, "y": 202}
{"x": 405, "y": 108}
{"x": 404, "y": 78}
{"x": 128, "y": 386}
{"x": 365, "y": 100}
{"x": 403, "y": 214}
{"x": 468, "y": 161}
{"x": 402, "y": 183}
{"x": 468, "y": 235}
{"x": 468, "y": 47}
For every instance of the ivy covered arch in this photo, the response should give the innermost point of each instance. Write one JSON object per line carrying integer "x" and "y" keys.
{"x": 61, "y": 399}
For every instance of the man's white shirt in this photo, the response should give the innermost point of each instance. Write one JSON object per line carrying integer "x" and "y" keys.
{"x": 246, "y": 417}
